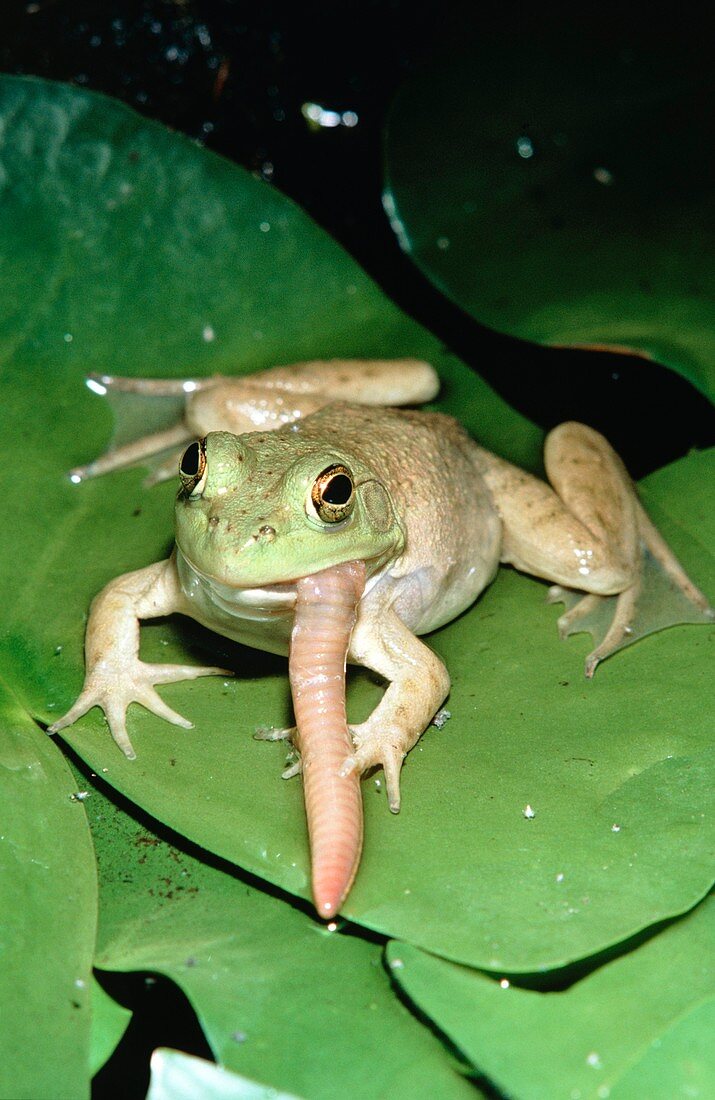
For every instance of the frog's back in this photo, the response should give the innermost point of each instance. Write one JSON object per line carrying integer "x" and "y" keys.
{"x": 429, "y": 465}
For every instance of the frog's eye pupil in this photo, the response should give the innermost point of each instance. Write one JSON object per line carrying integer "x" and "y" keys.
{"x": 192, "y": 468}
{"x": 190, "y": 461}
{"x": 338, "y": 490}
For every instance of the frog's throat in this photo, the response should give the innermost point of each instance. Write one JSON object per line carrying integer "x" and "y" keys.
{"x": 258, "y": 600}
{"x": 279, "y": 595}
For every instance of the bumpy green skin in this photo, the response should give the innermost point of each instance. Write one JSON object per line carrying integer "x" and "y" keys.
{"x": 429, "y": 545}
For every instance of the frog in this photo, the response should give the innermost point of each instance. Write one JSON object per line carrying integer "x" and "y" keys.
{"x": 320, "y": 515}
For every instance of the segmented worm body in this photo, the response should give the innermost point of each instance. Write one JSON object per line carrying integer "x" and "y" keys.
{"x": 326, "y": 609}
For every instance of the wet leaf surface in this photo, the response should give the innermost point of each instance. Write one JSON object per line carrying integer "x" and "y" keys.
{"x": 109, "y": 1022}
{"x": 638, "y": 1027}
{"x": 137, "y": 243}
{"x": 558, "y": 189}
{"x": 48, "y": 912}
{"x": 282, "y": 999}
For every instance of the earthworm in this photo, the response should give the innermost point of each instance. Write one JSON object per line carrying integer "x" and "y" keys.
{"x": 324, "y": 618}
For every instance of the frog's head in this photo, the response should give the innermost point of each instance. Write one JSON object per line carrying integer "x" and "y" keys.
{"x": 269, "y": 508}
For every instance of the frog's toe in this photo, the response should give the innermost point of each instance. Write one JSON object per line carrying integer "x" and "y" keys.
{"x": 392, "y": 766}
{"x": 574, "y": 621}
{"x": 115, "y": 710}
{"x": 294, "y": 764}
{"x": 149, "y": 698}
{"x": 377, "y": 753}
{"x": 274, "y": 733}
{"x": 293, "y": 769}
{"x": 171, "y": 674}
{"x": 114, "y": 689}
{"x": 116, "y": 715}
{"x": 82, "y": 705}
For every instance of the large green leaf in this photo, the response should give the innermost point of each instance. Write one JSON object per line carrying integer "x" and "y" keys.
{"x": 48, "y": 912}
{"x": 680, "y": 1063}
{"x": 639, "y": 1028}
{"x": 560, "y": 189}
{"x": 142, "y": 240}
{"x": 109, "y": 1022}
{"x": 281, "y": 999}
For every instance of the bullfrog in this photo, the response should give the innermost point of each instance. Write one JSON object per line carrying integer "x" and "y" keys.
{"x": 318, "y": 519}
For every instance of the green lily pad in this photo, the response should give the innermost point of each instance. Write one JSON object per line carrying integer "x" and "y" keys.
{"x": 152, "y": 239}
{"x": 109, "y": 1022}
{"x": 177, "y": 1076}
{"x": 610, "y": 1034}
{"x": 282, "y": 1000}
{"x": 559, "y": 190}
{"x": 678, "y": 1064}
{"x": 48, "y": 912}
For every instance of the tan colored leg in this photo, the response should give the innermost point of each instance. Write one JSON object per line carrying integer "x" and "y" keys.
{"x": 583, "y": 532}
{"x": 418, "y": 685}
{"x": 115, "y": 677}
{"x": 591, "y": 535}
{"x": 262, "y": 401}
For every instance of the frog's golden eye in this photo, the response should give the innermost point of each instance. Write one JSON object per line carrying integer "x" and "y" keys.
{"x": 192, "y": 469}
{"x": 333, "y": 494}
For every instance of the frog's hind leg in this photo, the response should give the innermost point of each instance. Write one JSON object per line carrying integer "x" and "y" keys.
{"x": 149, "y": 387}
{"x": 149, "y": 424}
{"x": 150, "y": 450}
{"x": 591, "y": 479}
{"x": 590, "y": 534}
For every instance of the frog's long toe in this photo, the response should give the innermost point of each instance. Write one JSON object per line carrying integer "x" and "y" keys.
{"x": 371, "y": 753}
{"x": 274, "y": 733}
{"x": 571, "y": 622}
{"x": 114, "y": 691}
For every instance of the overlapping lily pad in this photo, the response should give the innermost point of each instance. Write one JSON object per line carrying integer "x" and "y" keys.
{"x": 154, "y": 257}
{"x": 639, "y": 1027}
{"x": 48, "y": 912}
{"x": 559, "y": 188}
{"x": 282, "y": 1000}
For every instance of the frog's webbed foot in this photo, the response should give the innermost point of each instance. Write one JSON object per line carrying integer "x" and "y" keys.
{"x": 591, "y": 535}
{"x": 149, "y": 428}
{"x": 115, "y": 688}
{"x": 417, "y": 686}
{"x": 607, "y": 618}
{"x": 376, "y": 748}
{"x": 288, "y": 733}
{"x": 657, "y": 598}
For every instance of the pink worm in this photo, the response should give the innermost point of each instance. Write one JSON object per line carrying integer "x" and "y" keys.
{"x": 325, "y": 614}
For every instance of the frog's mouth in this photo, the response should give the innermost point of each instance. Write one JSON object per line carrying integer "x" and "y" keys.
{"x": 263, "y": 602}
{"x": 259, "y": 602}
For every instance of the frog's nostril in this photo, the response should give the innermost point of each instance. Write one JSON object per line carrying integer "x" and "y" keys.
{"x": 266, "y": 532}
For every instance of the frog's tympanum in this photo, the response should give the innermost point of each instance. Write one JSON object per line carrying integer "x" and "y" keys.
{"x": 313, "y": 521}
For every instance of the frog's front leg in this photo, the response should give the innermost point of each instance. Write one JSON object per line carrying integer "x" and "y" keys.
{"x": 115, "y": 677}
{"x": 590, "y": 533}
{"x": 418, "y": 685}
